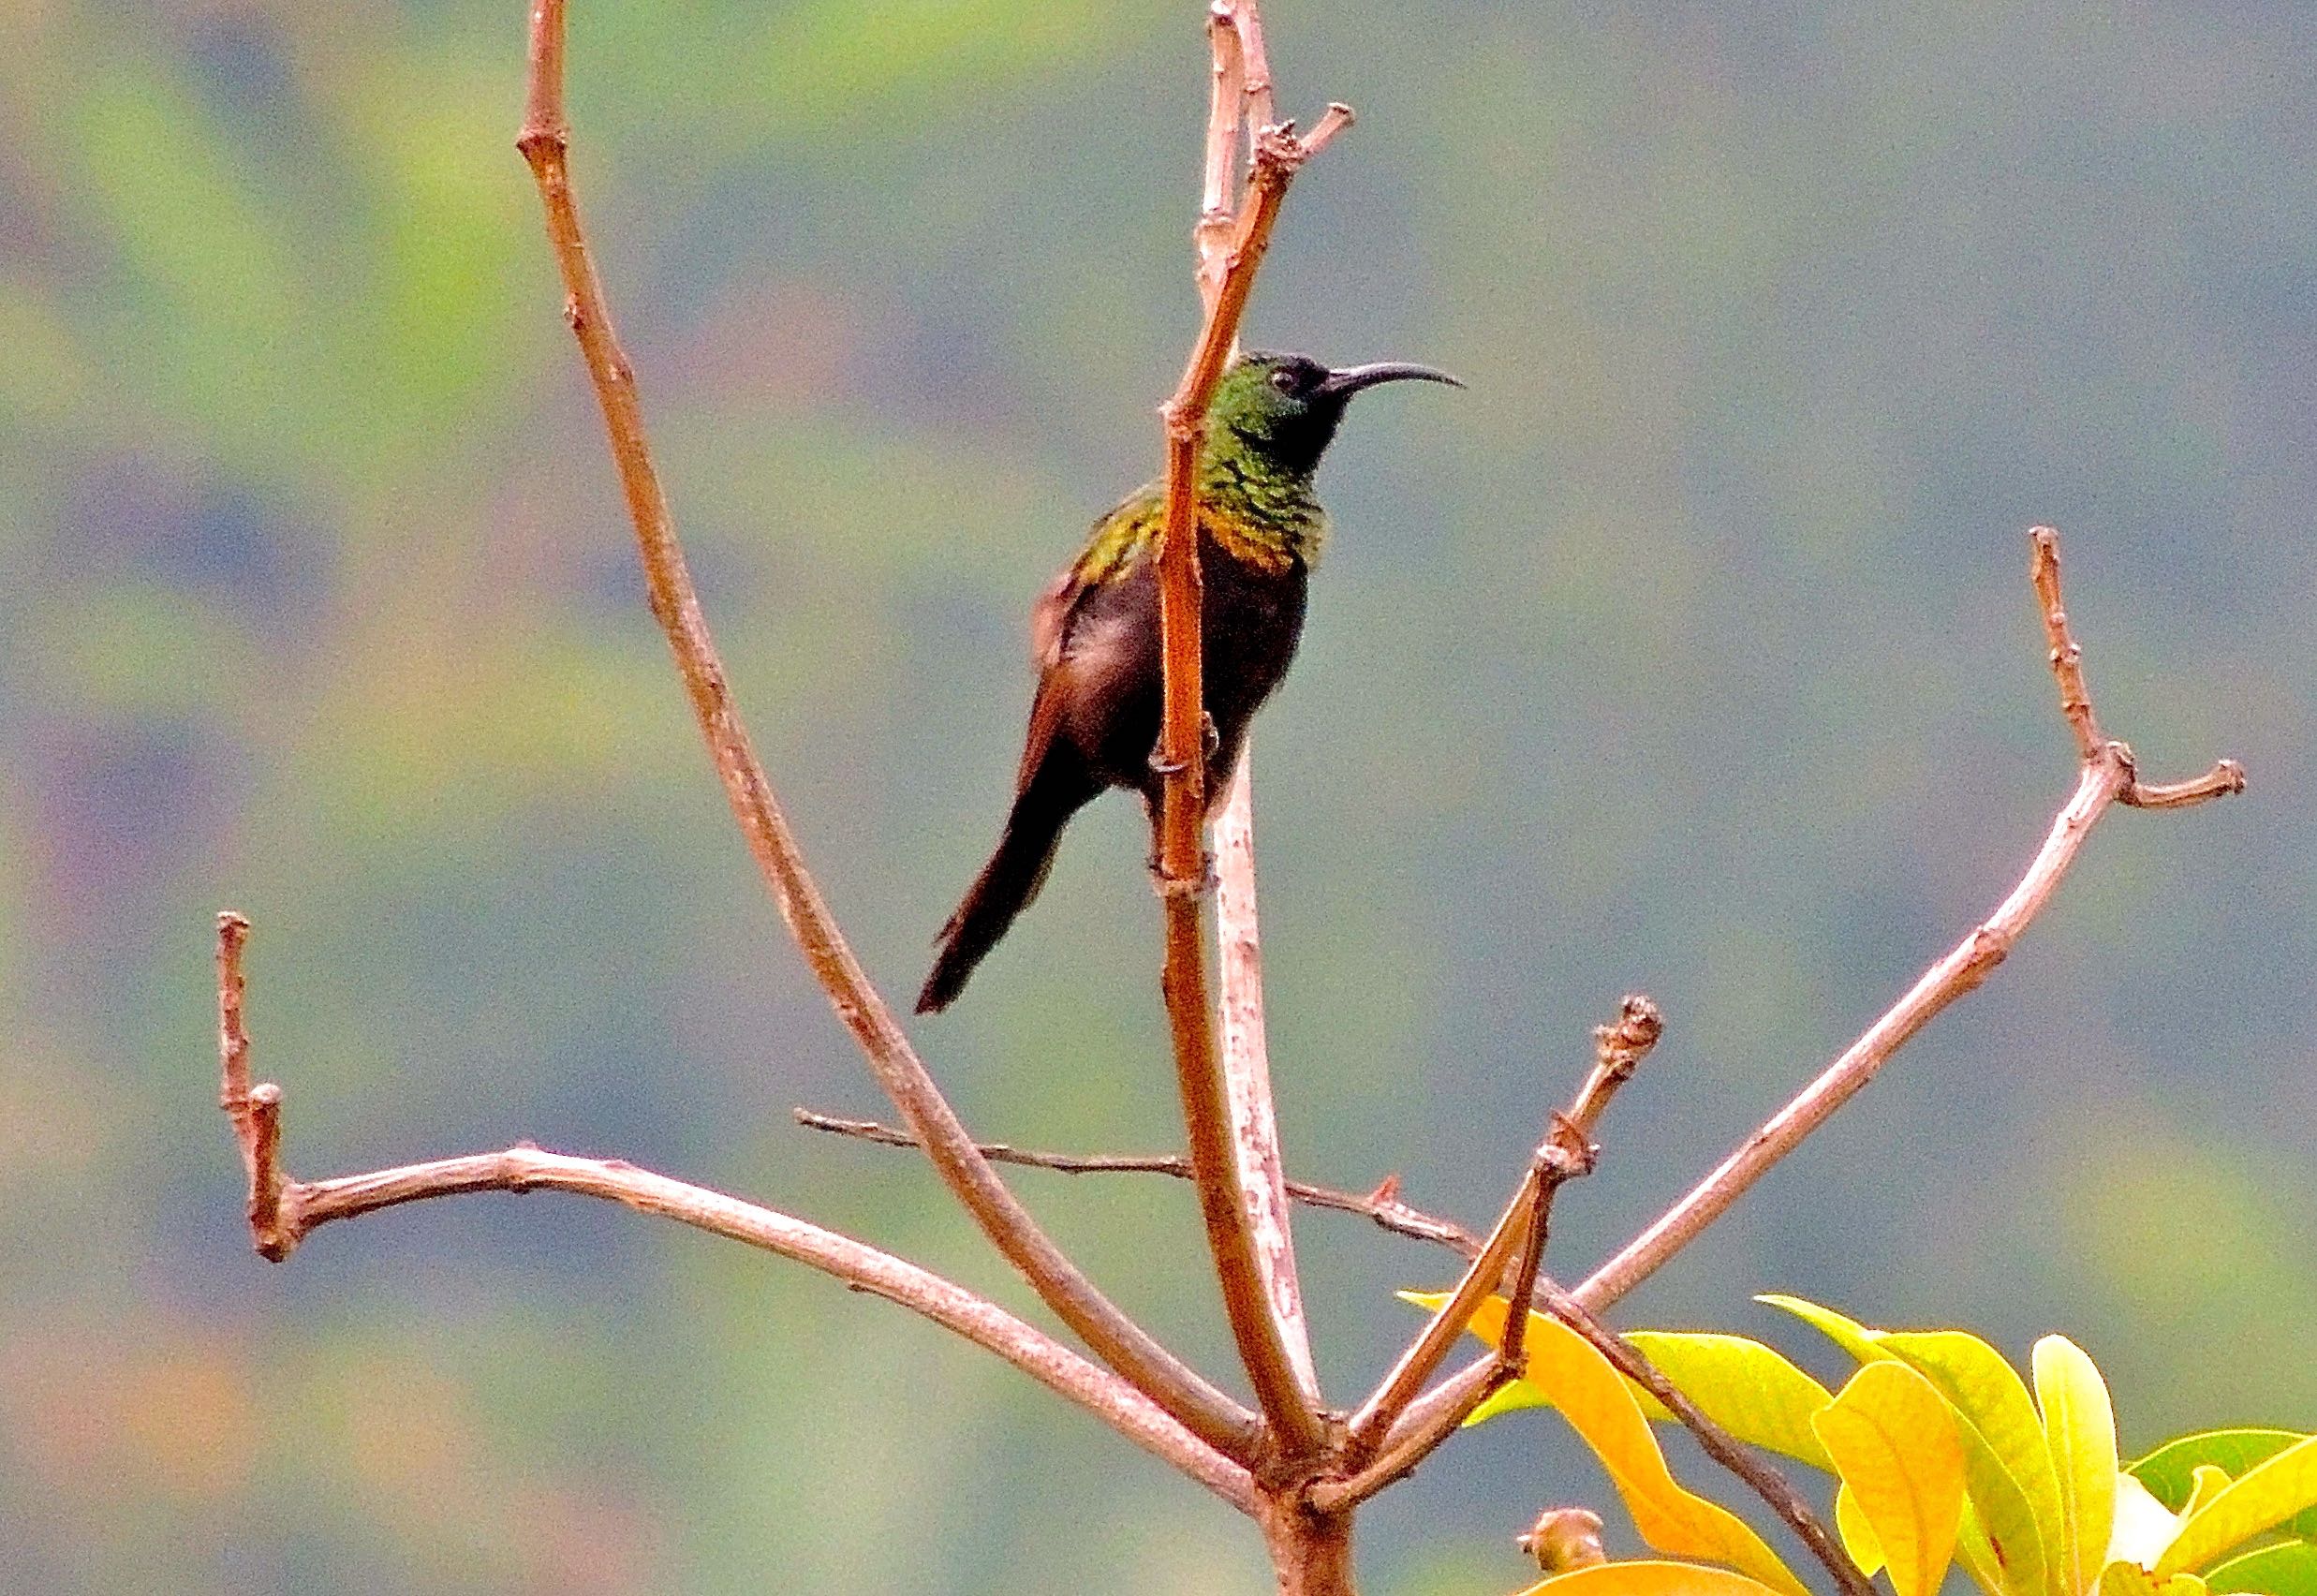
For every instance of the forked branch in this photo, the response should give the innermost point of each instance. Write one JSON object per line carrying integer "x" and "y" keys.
{"x": 1114, "y": 1338}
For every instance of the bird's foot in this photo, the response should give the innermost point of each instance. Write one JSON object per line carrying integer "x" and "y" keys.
{"x": 1210, "y": 743}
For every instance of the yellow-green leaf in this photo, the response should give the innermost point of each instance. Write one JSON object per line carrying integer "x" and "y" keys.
{"x": 1848, "y": 1333}
{"x": 2001, "y": 1545}
{"x": 1858, "y": 1536}
{"x": 2287, "y": 1569}
{"x": 1506, "y": 1398}
{"x": 1747, "y": 1388}
{"x": 2131, "y": 1579}
{"x": 2079, "y": 1427}
{"x": 2007, "y": 1537}
{"x": 2170, "y": 1469}
{"x": 1599, "y": 1404}
{"x": 1893, "y": 1437}
{"x": 1647, "y": 1579}
{"x": 1989, "y": 1395}
{"x": 2206, "y": 1483}
{"x": 2267, "y": 1495}
{"x": 2013, "y": 1470}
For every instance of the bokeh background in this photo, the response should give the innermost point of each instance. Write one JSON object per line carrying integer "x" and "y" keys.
{"x": 1689, "y": 651}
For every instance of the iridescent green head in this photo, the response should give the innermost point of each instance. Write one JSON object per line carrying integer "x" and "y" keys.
{"x": 1284, "y": 408}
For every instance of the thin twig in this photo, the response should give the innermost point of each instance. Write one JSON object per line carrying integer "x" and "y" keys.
{"x": 1382, "y": 1205}
{"x": 1520, "y": 1232}
{"x": 1250, "y": 1301}
{"x": 2224, "y": 779}
{"x": 283, "y": 1212}
{"x": 1718, "y": 1442}
{"x": 1114, "y": 1338}
{"x": 2108, "y": 776}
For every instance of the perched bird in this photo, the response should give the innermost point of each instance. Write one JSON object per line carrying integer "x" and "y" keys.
{"x": 1094, "y": 634}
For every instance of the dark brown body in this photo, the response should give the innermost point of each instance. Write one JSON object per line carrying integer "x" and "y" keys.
{"x": 1095, "y": 721}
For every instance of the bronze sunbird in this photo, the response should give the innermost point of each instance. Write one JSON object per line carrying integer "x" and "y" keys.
{"x": 1094, "y": 633}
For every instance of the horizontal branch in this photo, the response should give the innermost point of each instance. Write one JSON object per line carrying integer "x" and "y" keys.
{"x": 1381, "y": 1206}
{"x": 283, "y": 1212}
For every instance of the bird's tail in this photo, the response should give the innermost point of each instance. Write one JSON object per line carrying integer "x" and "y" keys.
{"x": 1008, "y": 882}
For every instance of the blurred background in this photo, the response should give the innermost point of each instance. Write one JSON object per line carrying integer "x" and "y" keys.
{"x": 1690, "y": 651}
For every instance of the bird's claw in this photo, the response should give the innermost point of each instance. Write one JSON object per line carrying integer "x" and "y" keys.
{"x": 1210, "y": 743}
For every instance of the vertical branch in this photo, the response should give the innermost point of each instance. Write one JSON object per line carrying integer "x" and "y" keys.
{"x": 1242, "y": 96}
{"x": 1219, "y": 191}
{"x": 1247, "y": 1071}
{"x": 1245, "y": 1267}
{"x": 1117, "y": 1340}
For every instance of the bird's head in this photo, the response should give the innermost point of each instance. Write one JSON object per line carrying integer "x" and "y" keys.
{"x": 1285, "y": 407}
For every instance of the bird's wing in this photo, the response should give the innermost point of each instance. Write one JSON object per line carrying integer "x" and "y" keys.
{"x": 1117, "y": 539}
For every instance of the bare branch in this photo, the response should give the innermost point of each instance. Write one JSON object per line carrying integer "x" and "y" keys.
{"x": 1245, "y": 1267}
{"x": 1113, "y": 1337}
{"x": 1383, "y": 1205}
{"x": 283, "y": 1212}
{"x": 2224, "y": 780}
{"x": 2108, "y": 776}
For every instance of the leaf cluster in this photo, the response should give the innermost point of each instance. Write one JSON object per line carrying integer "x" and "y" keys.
{"x": 1941, "y": 1454}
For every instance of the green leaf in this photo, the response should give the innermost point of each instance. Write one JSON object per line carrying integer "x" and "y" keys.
{"x": 1858, "y": 1536}
{"x": 2170, "y": 1470}
{"x": 2287, "y": 1569}
{"x": 1893, "y": 1437}
{"x": 2079, "y": 1427}
{"x": 1647, "y": 1579}
{"x": 2262, "y": 1498}
{"x": 1747, "y": 1388}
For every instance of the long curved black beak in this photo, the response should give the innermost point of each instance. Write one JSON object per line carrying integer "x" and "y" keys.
{"x": 1350, "y": 380}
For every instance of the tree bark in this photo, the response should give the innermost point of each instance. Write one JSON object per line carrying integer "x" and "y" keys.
{"x": 1310, "y": 1551}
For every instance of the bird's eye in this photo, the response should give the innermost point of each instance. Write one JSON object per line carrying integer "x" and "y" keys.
{"x": 1284, "y": 379}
